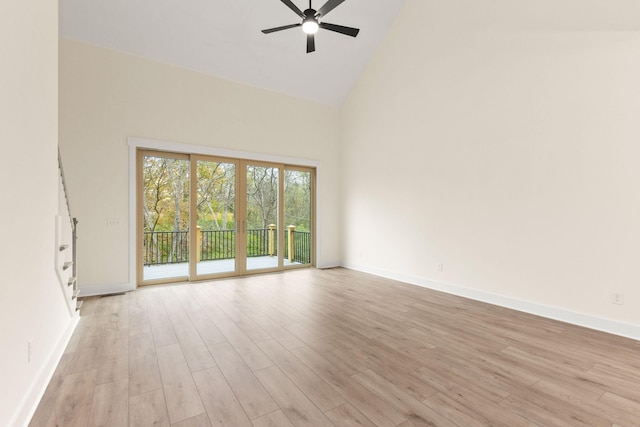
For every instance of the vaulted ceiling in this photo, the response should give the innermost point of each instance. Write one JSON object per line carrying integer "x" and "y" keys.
{"x": 224, "y": 38}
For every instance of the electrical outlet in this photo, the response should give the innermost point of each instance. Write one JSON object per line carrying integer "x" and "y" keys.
{"x": 617, "y": 299}
{"x": 113, "y": 222}
{"x": 440, "y": 268}
{"x": 29, "y": 351}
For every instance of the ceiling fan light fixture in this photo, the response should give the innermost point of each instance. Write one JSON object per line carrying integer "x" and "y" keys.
{"x": 310, "y": 26}
{"x": 310, "y": 22}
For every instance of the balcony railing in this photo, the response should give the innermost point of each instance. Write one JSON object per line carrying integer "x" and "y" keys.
{"x": 166, "y": 247}
{"x": 172, "y": 247}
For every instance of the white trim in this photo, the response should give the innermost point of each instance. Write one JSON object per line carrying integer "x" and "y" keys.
{"x": 151, "y": 144}
{"x": 556, "y": 313}
{"x": 59, "y": 260}
{"x": 329, "y": 264}
{"x": 105, "y": 289}
{"x": 135, "y": 143}
{"x": 32, "y": 398}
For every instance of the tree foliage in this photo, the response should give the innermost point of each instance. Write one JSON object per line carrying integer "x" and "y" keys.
{"x": 262, "y": 196}
{"x": 216, "y": 185}
{"x": 297, "y": 199}
{"x": 166, "y": 195}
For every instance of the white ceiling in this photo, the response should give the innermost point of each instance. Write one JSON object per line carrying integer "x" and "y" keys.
{"x": 533, "y": 15}
{"x": 223, "y": 38}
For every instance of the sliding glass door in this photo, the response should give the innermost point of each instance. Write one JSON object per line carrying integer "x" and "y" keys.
{"x": 202, "y": 217}
{"x": 164, "y": 216}
{"x": 215, "y": 216}
{"x": 298, "y": 216}
{"x": 262, "y": 223}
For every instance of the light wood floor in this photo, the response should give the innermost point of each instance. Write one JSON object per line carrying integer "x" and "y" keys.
{"x": 333, "y": 347}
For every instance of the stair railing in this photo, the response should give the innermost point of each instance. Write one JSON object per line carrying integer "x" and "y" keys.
{"x": 66, "y": 245}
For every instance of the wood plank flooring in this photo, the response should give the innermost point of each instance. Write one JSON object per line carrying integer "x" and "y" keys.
{"x": 333, "y": 348}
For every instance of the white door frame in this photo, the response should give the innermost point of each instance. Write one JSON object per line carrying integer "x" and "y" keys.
{"x": 150, "y": 144}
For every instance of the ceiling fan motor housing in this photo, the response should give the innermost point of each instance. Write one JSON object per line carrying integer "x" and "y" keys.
{"x": 310, "y": 22}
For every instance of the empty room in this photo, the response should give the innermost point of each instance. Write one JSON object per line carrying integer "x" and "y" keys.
{"x": 327, "y": 212}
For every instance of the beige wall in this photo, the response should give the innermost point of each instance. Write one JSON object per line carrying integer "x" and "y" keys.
{"x": 509, "y": 157}
{"x": 32, "y": 306}
{"x": 106, "y": 96}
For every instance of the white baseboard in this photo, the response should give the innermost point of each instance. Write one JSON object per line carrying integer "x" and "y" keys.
{"x": 33, "y": 396}
{"x": 105, "y": 289}
{"x": 329, "y": 264}
{"x": 555, "y": 313}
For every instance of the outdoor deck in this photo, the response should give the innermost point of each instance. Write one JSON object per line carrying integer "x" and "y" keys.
{"x": 166, "y": 271}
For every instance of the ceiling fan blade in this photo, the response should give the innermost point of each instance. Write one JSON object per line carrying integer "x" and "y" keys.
{"x": 284, "y": 27}
{"x": 293, "y": 7}
{"x": 348, "y": 31}
{"x": 328, "y": 7}
{"x": 311, "y": 43}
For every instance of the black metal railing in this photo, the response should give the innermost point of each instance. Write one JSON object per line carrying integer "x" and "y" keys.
{"x": 171, "y": 247}
{"x": 166, "y": 247}
{"x": 217, "y": 245}
{"x": 258, "y": 242}
{"x": 301, "y": 247}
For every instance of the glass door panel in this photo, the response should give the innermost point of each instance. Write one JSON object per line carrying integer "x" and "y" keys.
{"x": 298, "y": 199}
{"x": 201, "y": 217}
{"x": 262, "y": 217}
{"x": 215, "y": 217}
{"x": 165, "y": 217}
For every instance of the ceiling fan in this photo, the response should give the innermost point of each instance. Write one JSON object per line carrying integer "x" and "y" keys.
{"x": 311, "y": 22}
